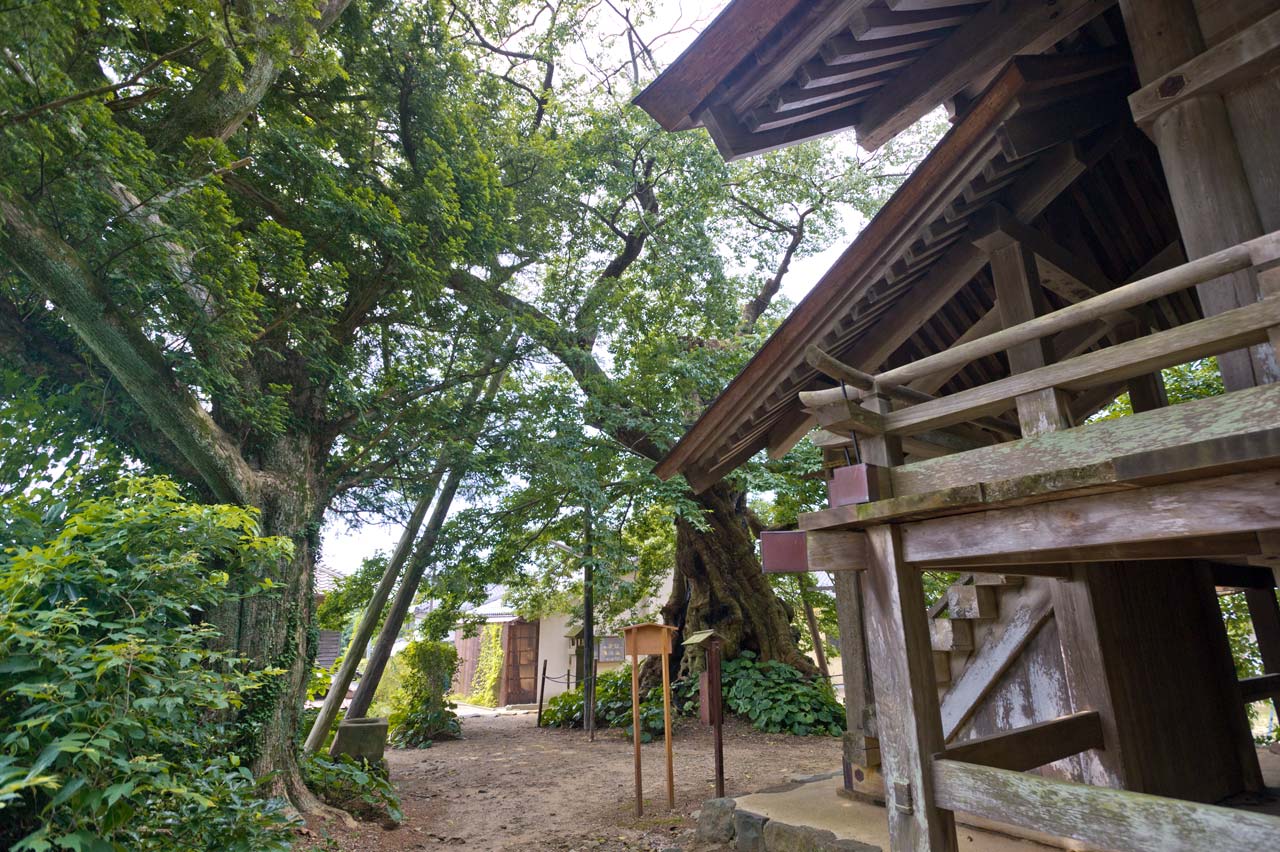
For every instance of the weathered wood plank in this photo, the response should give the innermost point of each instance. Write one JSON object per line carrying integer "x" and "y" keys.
{"x": 835, "y": 551}
{"x": 678, "y": 91}
{"x": 980, "y": 44}
{"x": 1204, "y": 420}
{"x": 1240, "y": 503}
{"x": 1113, "y": 819}
{"x": 991, "y": 661}
{"x": 1033, "y": 745}
{"x": 1233, "y": 259}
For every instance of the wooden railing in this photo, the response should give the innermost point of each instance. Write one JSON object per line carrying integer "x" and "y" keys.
{"x": 917, "y": 412}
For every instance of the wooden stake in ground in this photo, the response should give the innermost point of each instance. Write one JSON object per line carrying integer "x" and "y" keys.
{"x": 642, "y": 640}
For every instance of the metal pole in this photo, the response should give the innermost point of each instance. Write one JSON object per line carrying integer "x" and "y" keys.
{"x": 542, "y": 690}
{"x": 716, "y": 709}
{"x": 595, "y": 672}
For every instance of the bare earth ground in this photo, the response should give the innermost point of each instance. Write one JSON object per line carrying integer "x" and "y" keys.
{"x": 510, "y": 785}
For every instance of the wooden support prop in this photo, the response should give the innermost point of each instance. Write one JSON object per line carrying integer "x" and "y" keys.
{"x": 990, "y": 661}
{"x": 1260, "y": 687}
{"x": 1244, "y": 56}
{"x": 1033, "y": 745}
{"x": 1264, "y": 612}
{"x": 798, "y": 552}
{"x": 977, "y": 603}
{"x": 1111, "y": 819}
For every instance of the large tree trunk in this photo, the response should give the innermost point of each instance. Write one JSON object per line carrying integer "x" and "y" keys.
{"x": 718, "y": 585}
{"x": 273, "y": 629}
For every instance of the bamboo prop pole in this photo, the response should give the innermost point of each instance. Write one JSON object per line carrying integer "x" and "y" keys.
{"x": 369, "y": 621}
{"x": 635, "y": 729}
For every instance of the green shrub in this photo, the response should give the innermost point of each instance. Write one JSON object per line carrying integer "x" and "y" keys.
{"x": 422, "y": 712}
{"x": 357, "y": 787}
{"x": 115, "y": 710}
{"x": 613, "y": 706}
{"x": 777, "y": 698}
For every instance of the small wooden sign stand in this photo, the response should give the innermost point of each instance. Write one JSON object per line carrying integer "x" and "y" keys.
{"x": 642, "y": 640}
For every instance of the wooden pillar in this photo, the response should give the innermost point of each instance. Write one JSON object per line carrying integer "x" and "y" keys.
{"x": 1208, "y": 184}
{"x": 859, "y": 698}
{"x": 1264, "y": 612}
{"x": 1218, "y": 197}
{"x": 909, "y": 720}
{"x": 1019, "y": 298}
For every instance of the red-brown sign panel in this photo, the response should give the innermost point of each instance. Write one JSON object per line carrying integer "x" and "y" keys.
{"x": 783, "y": 552}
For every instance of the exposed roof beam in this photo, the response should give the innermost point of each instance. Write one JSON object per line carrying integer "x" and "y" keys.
{"x": 882, "y": 22}
{"x": 731, "y": 38}
{"x": 735, "y": 141}
{"x": 980, "y": 44}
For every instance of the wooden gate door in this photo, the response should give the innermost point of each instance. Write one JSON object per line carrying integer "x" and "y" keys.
{"x": 520, "y": 679}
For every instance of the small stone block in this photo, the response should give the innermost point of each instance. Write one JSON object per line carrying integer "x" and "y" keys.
{"x": 715, "y": 821}
{"x": 781, "y": 837}
{"x": 748, "y": 831}
{"x": 361, "y": 739}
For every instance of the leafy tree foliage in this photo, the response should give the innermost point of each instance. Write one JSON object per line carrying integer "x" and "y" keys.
{"x": 270, "y": 250}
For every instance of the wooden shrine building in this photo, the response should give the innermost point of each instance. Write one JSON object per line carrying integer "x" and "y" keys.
{"x": 1105, "y": 205}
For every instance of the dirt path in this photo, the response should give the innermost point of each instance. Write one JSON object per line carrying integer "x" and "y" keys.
{"x": 512, "y": 786}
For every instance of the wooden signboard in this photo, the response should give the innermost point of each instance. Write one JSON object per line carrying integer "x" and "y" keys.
{"x": 642, "y": 640}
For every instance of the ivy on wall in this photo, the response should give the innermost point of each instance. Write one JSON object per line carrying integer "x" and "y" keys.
{"x": 484, "y": 684}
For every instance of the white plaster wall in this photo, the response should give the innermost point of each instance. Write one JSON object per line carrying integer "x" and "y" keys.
{"x": 554, "y": 649}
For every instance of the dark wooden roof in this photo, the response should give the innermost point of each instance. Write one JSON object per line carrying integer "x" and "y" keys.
{"x": 1050, "y": 141}
{"x": 768, "y": 73}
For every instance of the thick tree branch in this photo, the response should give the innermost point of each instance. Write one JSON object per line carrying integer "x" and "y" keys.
{"x": 26, "y": 115}
{"x": 28, "y": 344}
{"x": 56, "y": 271}
{"x": 568, "y": 349}
{"x": 759, "y": 303}
{"x": 586, "y": 322}
{"x": 215, "y": 109}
